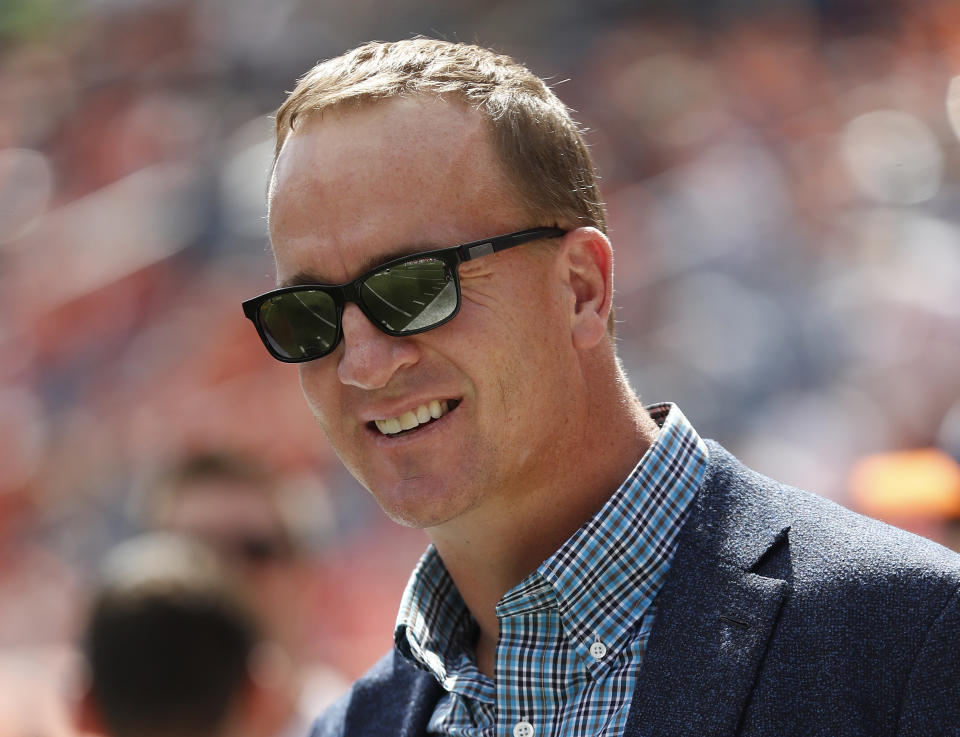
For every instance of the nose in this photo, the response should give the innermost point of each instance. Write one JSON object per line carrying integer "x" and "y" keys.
{"x": 370, "y": 357}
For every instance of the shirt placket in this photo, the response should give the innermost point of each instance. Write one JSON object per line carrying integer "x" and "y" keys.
{"x": 528, "y": 647}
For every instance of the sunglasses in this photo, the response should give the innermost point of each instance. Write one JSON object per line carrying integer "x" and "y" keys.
{"x": 405, "y": 296}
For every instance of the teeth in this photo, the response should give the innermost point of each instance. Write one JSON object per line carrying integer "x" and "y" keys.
{"x": 412, "y": 418}
{"x": 388, "y": 427}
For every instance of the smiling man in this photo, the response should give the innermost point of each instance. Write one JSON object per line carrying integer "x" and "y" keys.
{"x": 596, "y": 568}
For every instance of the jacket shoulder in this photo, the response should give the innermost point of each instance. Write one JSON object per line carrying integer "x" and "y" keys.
{"x": 830, "y": 544}
{"x": 863, "y": 638}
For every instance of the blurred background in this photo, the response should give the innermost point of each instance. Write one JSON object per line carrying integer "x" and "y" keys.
{"x": 783, "y": 184}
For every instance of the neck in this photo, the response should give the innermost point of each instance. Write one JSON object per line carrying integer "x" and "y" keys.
{"x": 490, "y": 550}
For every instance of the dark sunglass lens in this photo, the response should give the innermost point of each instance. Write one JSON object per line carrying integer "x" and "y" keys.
{"x": 411, "y": 296}
{"x": 300, "y": 325}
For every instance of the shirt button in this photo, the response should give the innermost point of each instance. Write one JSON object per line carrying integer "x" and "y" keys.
{"x": 598, "y": 650}
{"x": 523, "y": 729}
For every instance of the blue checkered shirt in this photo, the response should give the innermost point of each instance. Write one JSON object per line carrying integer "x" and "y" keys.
{"x": 573, "y": 632}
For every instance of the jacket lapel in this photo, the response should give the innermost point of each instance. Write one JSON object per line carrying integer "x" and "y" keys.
{"x": 394, "y": 699}
{"x": 717, "y": 609}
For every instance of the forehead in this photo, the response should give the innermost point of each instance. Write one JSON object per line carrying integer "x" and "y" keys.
{"x": 355, "y": 185}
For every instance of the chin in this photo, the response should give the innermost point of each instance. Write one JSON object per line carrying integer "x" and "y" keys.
{"x": 421, "y": 502}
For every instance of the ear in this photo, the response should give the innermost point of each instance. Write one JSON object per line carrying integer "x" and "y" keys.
{"x": 586, "y": 263}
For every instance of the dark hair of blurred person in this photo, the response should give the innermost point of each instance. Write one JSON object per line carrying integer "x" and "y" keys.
{"x": 173, "y": 649}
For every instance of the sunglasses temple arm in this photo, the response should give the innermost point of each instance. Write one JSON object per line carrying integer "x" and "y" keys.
{"x": 471, "y": 251}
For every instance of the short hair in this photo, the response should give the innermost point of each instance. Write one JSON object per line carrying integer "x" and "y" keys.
{"x": 167, "y": 642}
{"x": 540, "y": 147}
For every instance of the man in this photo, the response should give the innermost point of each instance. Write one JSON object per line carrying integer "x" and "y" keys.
{"x": 234, "y": 506}
{"x": 239, "y": 509}
{"x": 173, "y": 649}
{"x": 596, "y": 568}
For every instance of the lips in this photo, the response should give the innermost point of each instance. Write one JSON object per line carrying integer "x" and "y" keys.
{"x": 414, "y": 418}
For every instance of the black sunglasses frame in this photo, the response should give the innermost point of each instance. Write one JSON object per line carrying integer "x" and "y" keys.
{"x": 350, "y": 291}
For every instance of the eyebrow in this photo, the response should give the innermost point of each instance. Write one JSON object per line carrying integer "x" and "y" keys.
{"x": 302, "y": 278}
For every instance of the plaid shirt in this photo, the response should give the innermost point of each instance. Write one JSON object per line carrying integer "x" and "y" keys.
{"x": 573, "y": 632}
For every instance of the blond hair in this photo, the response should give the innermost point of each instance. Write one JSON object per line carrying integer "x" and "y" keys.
{"x": 540, "y": 147}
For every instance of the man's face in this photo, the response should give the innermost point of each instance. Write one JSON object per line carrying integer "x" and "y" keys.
{"x": 353, "y": 189}
{"x": 243, "y": 526}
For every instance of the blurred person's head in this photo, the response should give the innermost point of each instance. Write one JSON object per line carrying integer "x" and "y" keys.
{"x": 236, "y": 507}
{"x": 173, "y": 650}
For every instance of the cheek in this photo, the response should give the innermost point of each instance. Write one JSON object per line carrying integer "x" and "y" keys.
{"x": 513, "y": 312}
{"x": 519, "y": 325}
{"x": 318, "y": 380}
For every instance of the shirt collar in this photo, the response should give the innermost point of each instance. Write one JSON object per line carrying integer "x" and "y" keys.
{"x": 434, "y": 629}
{"x": 610, "y": 570}
{"x": 602, "y": 578}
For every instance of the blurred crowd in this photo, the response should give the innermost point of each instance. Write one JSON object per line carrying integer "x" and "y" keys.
{"x": 784, "y": 197}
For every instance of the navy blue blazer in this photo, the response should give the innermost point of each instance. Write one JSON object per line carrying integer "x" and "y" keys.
{"x": 782, "y": 614}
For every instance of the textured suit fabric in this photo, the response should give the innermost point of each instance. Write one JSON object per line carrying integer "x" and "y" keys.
{"x": 782, "y": 614}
